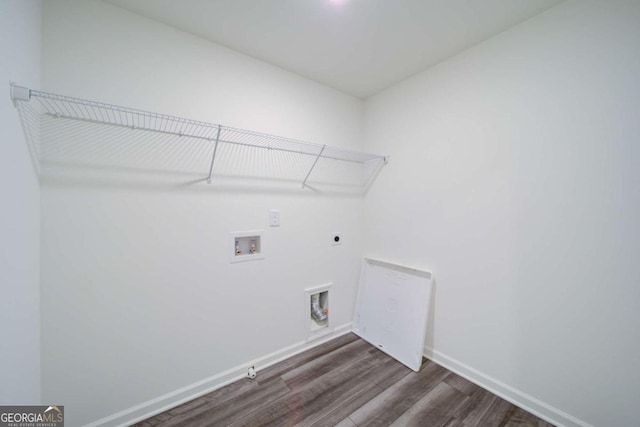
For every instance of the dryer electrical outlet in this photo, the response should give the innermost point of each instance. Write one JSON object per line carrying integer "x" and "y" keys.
{"x": 336, "y": 238}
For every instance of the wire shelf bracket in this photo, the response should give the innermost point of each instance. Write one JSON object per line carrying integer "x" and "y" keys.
{"x": 315, "y": 162}
{"x": 213, "y": 157}
{"x": 77, "y": 109}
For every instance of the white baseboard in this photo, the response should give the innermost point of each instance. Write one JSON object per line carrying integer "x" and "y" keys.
{"x": 192, "y": 391}
{"x": 529, "y": 403}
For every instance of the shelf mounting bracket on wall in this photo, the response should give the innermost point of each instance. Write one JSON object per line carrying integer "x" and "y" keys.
{"x": 304, "y": 183}
{"x": 213, "y": 157}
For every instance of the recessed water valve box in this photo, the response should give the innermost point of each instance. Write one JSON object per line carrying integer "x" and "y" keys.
{"x": 317, "y": 311}
{"x": 246, "y": 246}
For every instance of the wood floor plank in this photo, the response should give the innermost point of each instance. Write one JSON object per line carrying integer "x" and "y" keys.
{"x": 303, "y": 374}
{"x": 462, "y": 384}
{"x": 426, "y": 420}
{"x": 155, "y": 420}
{"x": 287, "y": 365}
{"x": 208, "y": 402}
{"x": 380, "y": 354}
{"x": 498, "y": 414}
{"x": 520, "y": 417}
{"x": 216, "y": 413}
{"x": 346, "y": 423}
{"x": 216, "y": 398}
{"x": 347, "y": 382}
{"x": 296, "y": 407}
{"x": 395, "y": 400}
{"x": 475, "y": 408}
{"x": 321, "y": 395}
{"x": 389, "y": 373}
{"x": 437, "y": 407}
{"x": 331, "y": 416}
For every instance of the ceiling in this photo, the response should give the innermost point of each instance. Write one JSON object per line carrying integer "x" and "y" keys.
{"x": 356, "y": 46}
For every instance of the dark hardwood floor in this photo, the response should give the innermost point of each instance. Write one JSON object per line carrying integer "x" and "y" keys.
{"x": 348, "y": 382}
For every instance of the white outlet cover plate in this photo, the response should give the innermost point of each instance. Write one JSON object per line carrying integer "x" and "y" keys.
{"x": 274, "y": 218}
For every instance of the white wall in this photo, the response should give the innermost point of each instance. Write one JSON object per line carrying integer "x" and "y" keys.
{"x": 20, "y": 35}
{"x": 138, "y": 296}
{"x": 514, "y": 176}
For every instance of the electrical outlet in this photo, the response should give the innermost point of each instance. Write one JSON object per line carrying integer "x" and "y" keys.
{"x": 274, "y": 218}
{"x": 336, "y": 239}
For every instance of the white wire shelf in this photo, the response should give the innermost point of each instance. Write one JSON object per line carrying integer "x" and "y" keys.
{"x": 49, "y": 106}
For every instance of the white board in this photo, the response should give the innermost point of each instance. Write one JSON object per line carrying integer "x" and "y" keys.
{"x": 392, "y": 309}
